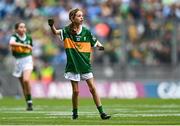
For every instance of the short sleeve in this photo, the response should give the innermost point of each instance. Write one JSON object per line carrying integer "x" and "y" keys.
{"x": 93, "y": 39}
{"x": 12, "y": 39}
{"x": 61, "y": 35}
{"x": 31, "y": 41}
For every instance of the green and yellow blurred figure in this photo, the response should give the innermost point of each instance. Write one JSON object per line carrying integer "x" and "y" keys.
{"x": 21, "y": 47}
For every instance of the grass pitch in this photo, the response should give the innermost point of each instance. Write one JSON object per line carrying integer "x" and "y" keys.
{"x": 123, "y": 112}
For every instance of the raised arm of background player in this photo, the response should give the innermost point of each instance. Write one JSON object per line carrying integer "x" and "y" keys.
{"x": 59, "y": 31}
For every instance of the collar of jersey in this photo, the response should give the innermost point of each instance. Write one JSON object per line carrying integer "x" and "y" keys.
{"x": 80, "y": 30}
{"x": 21, "y": 38}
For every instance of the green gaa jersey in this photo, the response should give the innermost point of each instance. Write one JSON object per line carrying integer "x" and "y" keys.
{"x": 19, "y": 51}
{"x": 78, "y": 49}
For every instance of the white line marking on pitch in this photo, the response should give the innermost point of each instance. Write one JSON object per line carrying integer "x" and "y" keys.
{"x": 145, "y": 115}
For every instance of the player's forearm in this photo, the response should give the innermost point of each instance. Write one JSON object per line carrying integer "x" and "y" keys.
{"x": 54, "y": 30}
{"x": 99, "y": 45}
{"x": 20, "y": 44}
{"x": 17, "y": 44}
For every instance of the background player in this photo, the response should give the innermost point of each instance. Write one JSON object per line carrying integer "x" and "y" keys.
{"x": 21, "y": 47}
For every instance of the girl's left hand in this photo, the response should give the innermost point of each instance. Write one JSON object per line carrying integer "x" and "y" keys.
{"x": 101, "y": 48}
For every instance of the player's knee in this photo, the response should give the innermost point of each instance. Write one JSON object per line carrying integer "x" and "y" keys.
{"x": 76, "y": 92}
{"x": 92, "y": 90}
{"x": 26, "y": 81}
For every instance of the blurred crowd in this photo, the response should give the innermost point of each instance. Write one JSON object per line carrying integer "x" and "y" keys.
{"x": 134, "y": 32}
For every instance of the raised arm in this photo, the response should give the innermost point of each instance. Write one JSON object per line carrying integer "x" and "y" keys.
{"x": 53, "y": 29}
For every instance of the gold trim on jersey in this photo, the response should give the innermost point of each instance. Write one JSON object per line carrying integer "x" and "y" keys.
{"x": 80, "y": 46}
{"x": 20, "y": 49}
